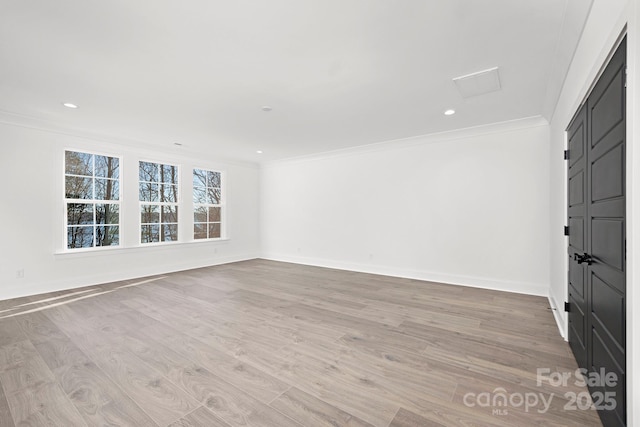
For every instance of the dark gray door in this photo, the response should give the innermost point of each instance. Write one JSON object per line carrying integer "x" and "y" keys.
{"x": 597, "y": 243}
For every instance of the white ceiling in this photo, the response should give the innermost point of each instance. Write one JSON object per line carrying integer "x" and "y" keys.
{"x": 337, "y": 73}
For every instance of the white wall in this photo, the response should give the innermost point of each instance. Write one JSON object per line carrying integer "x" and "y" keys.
{"x": 606, "y": 23}
{"x": 467, "y": 207}
{"x": 32, "y": 216}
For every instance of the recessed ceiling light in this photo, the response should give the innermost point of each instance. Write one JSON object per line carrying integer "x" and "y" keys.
{"x": 259, "y": 151}
{"x": 69, "y": 105}
{"x": 449, "y": 112}
{"x": 266, "y": 108}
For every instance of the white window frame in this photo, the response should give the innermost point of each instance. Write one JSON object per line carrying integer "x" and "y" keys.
{"x": 177, "y": 204}
{"x": 93, "y": 201}
{"x": 221, "y": 205}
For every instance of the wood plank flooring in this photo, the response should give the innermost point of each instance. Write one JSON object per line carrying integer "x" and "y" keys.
{"x": 262, "y": 343}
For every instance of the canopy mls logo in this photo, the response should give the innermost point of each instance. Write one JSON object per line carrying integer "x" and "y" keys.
{"x": 500, "y": 400}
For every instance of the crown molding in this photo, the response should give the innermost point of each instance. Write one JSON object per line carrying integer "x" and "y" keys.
{"x": 402, "y": 143}
{"x": 42, "y": 125}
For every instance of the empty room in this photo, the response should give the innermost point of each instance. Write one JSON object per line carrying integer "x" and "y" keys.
{"x": 319, "y": 213}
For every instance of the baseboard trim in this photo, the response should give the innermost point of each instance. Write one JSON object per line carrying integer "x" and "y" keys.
{"x": 37, "y": 288}
{"x": 560, "y": 321}
{"x": 536, "y": 289}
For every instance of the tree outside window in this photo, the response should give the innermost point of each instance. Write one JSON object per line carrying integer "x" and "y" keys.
{"x": 92, "y": 200}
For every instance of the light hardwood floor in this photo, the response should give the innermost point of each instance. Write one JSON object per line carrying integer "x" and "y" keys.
{"x": 261, "y": 343}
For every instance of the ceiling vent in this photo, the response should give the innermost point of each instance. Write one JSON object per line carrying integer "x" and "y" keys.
{"x": 478, "y": 83}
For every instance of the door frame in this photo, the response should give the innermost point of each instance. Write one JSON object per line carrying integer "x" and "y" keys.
{"x": 583, "y": 343}
{"x": 628, "y": 25}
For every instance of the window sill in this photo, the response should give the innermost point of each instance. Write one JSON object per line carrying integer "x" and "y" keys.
{"x": 141, "y": 247}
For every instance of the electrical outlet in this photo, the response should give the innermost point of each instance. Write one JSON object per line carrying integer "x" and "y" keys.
{"x": 20, "y": 274}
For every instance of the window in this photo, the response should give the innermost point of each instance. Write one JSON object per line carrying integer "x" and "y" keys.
{"x": 207, "y": 204}
{"x": 92, "y": 199}
{"x": 158, "y": 202}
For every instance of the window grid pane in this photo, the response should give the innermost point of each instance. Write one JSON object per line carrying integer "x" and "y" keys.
{"x": 200, "y": 231}
{"x": 107, "y": 236}
{"x": 207, "y": 199}
{"x": 79, "y": 237}
{"x": 92, "y": 198}
{"x": 159, "y": 197}
{"x": 107, "y": 167}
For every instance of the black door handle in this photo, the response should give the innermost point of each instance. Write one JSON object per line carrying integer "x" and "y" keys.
{"x": 583, "y": 258}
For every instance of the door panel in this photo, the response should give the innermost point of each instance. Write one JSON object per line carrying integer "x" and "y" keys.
{"x": 578, "y": 330}
{"x": 596, "y": 208}
{"x": 576, "y": 189}
{"x": 576, "y": 233}
{"x": 601, "y": 352}
{"x": 608, "y": 183}
{"x": 578, "y": 281}
{"x": 576, "y": 144}
{"x": 607, "y": 242}
{"x": 607, "y": 308}
{"x": 609, "y": 209}
{"x": 608, "y": 105}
